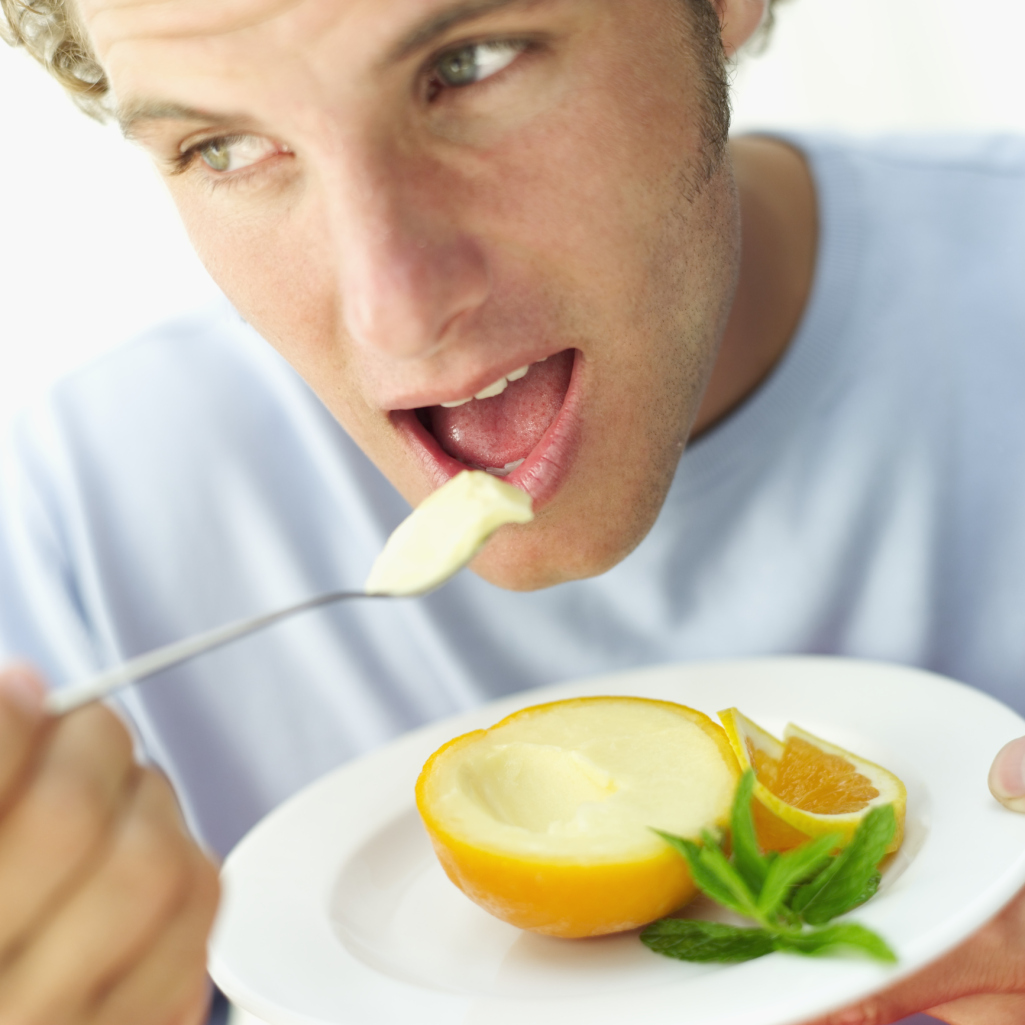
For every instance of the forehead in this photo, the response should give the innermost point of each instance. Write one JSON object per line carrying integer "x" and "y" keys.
{"x": 188, "y": 44}
{"x": 116, "y": 23}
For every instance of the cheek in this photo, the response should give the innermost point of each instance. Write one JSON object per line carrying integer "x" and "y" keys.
{"x": 273, "y": 264}
{"x": 589, "y": 189}
{"x": 276, "y": 270}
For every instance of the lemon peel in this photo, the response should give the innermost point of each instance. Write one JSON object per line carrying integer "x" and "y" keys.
{"x": 547, "y": 820}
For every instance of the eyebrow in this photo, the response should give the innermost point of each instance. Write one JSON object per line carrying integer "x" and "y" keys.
{"x": 442, "y": 21}
{"x": 129, "y": 118}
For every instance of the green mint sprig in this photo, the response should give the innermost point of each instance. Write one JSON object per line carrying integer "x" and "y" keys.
{"x": 791, "y": 896}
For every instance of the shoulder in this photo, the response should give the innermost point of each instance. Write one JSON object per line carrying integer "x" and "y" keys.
{"x": 209, "y": 365}
{"x": 945, "y": 159}
{"x": 922, "y": 249}
{"x": 202, "y": 383}
{"x": 947, "y": 199}
{"x": 161, "y": 468}
{"x": 946, "y": 180}
{"x": 940, "y": 223}
{"x": 189, "y": 416}
{"x": 998, "y": 154}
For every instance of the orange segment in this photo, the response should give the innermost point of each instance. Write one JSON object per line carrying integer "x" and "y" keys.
{"x": 814, "y": 780}
{"x": 773, "y": 833}
{"x": 546, "y": 819}
{"x": 807, "y": 787}
{"x": 765, "y": 767}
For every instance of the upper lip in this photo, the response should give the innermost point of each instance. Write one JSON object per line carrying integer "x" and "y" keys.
{"x": 468, "y": 386}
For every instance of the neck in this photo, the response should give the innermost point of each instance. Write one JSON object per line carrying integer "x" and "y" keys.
{"x": 779, "y": 232}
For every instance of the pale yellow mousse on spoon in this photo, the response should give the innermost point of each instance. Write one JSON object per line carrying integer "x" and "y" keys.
{"x": 445, "y": 532}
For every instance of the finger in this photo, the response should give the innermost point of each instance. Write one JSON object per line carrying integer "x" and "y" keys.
{"x": 21, "y": 723}
{"x": 1007, "y": 775}
{"x": 61, "y": 818}
{"x": 987, "y": 968}
{"x": 199, "y": 1013}
{"x": 983, "y": 1009}
{"x": 986, "y": 1009}
{"x": 106, "y": 925}
{"x": 169, "y": 986}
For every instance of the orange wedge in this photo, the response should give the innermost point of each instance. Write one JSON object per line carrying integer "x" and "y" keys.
{"x": 806, "y": 787}
{"x": 546, "y": 819}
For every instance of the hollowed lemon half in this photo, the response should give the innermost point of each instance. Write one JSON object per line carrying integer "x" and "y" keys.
{"x": 546, "y": 818}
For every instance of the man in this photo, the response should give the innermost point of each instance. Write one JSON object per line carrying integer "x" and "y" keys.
{"x": 506, "y": 234}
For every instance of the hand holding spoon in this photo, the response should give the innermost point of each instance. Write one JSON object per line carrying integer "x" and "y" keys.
{"x": 433, "y": 543}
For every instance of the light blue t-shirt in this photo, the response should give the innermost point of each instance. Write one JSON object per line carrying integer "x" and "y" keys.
{"x": 868, "y": 500}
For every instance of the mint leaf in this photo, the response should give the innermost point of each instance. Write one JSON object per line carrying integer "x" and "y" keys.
{"x": 714, "y": 860}
{"x": 869, "y": 890}
{"x": 836, "y": 938}
{"x": 795, "y": 867}
{"x": 706, "y": 880}
{"x": 853, "y": 875}
{"x": 690, "y": 940}
{"x": 713, "y": 874}
{"x": 747, "y": 857}
{"x": 768, "y": 888}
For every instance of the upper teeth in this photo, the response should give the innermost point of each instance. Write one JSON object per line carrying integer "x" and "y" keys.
{"x": 504, "y": 471}
{"x": 492, "y": 390}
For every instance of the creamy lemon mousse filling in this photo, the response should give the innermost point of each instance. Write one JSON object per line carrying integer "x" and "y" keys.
{"x": 589, "y": 782}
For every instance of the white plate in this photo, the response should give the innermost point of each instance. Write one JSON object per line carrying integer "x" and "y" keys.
{"x": 336, "y": 910}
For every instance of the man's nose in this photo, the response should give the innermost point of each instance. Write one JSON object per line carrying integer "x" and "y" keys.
{"x": 409, "y": 273}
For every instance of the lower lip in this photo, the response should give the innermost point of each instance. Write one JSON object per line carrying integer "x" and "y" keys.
{"x": 543, "y": 471}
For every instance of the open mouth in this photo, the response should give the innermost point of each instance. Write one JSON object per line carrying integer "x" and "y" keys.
{"x": 521, "y": 427}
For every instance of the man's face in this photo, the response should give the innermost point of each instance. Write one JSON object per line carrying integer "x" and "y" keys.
{"x": 413, "y": 199}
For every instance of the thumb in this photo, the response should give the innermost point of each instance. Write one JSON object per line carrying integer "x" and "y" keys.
{"x": 22, "y": 691}
{"x": 1007, "y": 776}
{"x": 22, "y": 717}
{"x": 198, "y": 1009}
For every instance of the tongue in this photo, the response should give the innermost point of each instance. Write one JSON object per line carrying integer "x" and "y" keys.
{"x": 496, "y": 432}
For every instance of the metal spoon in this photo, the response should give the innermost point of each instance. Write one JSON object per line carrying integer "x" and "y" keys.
{"x": 428, "y": 548}
{"x": 67, "y": 699}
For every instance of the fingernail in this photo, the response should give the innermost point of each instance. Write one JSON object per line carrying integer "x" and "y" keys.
{"x": 1007, "y": 777}
{"x": 24, "y": 689}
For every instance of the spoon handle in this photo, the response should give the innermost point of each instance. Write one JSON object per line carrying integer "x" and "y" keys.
{"x": 67, "y": 699}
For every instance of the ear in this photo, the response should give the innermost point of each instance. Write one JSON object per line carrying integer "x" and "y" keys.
{"x": 739, "y": 20}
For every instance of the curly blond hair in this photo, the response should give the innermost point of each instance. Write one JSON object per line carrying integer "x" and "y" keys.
{"x": 50, "y": 32}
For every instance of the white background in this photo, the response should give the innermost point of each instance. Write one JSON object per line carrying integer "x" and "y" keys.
{"x": 91, "y": 250}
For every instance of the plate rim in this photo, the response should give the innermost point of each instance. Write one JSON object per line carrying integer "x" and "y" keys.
{"x": 967, "y": 919}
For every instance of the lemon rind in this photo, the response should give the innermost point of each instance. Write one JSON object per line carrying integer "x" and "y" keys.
{"x": 571, "y": 896}
{"x": 813, "y": 824}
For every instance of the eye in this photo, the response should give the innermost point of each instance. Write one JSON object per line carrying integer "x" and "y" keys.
{"x": 473, "y": 63}
{"x": 235, "y": 152}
